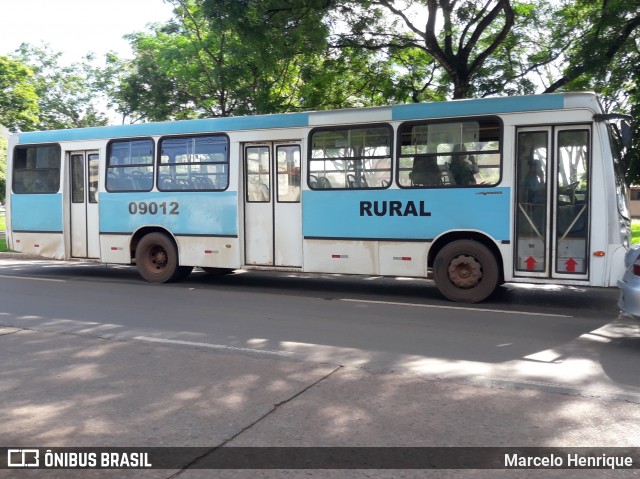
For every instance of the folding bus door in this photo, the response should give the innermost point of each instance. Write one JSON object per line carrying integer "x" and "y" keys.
{"x": 272, "y": 204}
{"x": 85, "y": 235}
{"x": 552, "y": 202}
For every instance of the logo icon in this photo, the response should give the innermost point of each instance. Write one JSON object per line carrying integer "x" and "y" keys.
{"x": 23, "y": 457}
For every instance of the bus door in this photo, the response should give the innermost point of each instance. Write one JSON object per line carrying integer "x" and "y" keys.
{"x": 272, "y": 204}
{"x": 85, "y": 227}
{"x": 552, "y": 202}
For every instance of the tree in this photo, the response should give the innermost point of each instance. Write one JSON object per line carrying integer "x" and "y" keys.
{"x": 228, "y": 58}
{"x": 67, "y": 95}
{"x": 470, "y": 32}
{"x": 18, "y": 98}
{"x": 3, "y": 168}
{"x": 600, "y": 45}
{"x": 190, "y": 67}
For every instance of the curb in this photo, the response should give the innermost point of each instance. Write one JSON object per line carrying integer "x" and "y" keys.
{"x": 16, "y": 255}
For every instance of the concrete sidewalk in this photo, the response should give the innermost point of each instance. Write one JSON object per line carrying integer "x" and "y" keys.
{"x": 61, "y": 389}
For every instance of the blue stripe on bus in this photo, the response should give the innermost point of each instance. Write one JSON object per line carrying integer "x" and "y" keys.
{"x": 483, "y": 106}
{"x": 188, "y": 213}
{"x": 287, "y": 120}
{"x": 405, "y": 214}
{"x": 42, "y": 213}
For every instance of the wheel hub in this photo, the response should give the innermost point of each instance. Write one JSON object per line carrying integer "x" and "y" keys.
{"x": 465, "y": 271}
{"x": 159, "y": 258}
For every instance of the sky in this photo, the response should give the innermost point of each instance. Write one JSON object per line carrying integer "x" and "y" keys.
{"x": 77, "y": 27}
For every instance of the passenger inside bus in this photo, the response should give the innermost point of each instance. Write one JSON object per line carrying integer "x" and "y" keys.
{"x": 463, "y": 170}
{"x": 425, "y": 171}
{"x": 534, "y": 183}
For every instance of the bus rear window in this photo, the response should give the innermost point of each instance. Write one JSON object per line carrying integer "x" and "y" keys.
{"x": 36, "y": 169}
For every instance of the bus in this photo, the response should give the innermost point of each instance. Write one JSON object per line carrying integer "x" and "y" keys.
{"x": 472, "y": 193}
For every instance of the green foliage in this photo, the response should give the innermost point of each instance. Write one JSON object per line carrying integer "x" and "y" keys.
{"x": 66, "y": 94}
{"x": 218, "y": 59}
{"x": 18, "y": 98}
{"x": 599, "y": 40}
{"x": 457, "y": 37}
{"x": 3, "y": 168}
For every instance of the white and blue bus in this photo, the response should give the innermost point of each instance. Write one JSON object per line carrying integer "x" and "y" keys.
{"x": 473, "y": 193}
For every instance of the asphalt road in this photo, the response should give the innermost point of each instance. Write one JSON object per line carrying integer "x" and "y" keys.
{"x": 564, "y": 339}
{"x": 92, "y": 356}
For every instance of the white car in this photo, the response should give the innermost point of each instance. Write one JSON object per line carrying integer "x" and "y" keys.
{"x": 629, "y": 285}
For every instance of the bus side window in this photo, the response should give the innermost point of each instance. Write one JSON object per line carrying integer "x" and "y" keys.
{"x": 466, "y": 152}
{"x": 350, "y": 157}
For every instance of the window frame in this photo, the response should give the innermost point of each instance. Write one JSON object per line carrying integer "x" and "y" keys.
{"x": 13, "y": 168}
{"x": 426, "y": 122}
{"x": 108, "y": 166}
{"x": 159, "y": 164}
{"x": 359, "y": 126}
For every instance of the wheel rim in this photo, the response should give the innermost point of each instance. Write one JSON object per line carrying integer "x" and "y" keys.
{"x": 465, "y": 271}
{"x": 157, "y": 259}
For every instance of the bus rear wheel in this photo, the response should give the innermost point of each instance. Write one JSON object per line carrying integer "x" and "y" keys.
{"x": 466, "y": 271}
{"x": 157, "y": 259}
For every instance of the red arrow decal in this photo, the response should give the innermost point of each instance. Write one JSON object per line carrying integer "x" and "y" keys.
{"x": 531, "y": 262}
{"x": 571, "y": 265}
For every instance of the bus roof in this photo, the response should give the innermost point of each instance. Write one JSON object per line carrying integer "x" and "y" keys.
{"x": 414, "y": 111}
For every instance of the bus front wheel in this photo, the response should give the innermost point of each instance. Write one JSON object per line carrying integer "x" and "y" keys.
{"x": 157, "y": 259}
{"x": 466, "y": 271}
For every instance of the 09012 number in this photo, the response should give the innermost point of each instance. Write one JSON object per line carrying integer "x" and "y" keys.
{"x": 153, "y": 208}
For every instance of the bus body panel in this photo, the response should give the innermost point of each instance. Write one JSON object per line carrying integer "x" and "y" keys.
{"x": 38, "y": 233}
{"x": 484, "y": 106}
{"x": 384, "y": 258}
{"x": 37, "y": 213}
{"x": 188, "y": 213}
{"x": 411, "y": 214}
{"x": 46, "y": 245}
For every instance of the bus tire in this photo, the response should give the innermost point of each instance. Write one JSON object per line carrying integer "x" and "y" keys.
{"x": 466, "y": 271}
{"x": 157, "y": 259}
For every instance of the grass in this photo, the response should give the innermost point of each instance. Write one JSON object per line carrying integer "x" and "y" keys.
{"x": 3, "y": 242}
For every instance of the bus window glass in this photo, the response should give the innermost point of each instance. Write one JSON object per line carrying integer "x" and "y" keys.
{"x": 572, "y": 198}
{"x": 194, "y": 163}
{"x": 531, "y": 219}
{"x": 94, "y": 160}
{"x": 130, "y": 165}
{"x": 463, "y": 153}
{"x": 357, "y": 157}
{"x": 258, "y": 171}
{"x": 36, "y": 169}
{"x": 77, "y": 178}
{"x": 288, "y": 173}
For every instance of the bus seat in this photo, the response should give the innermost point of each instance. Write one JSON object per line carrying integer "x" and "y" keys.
{"x": 323, "y": 182}
{"x": 425, "y": 171}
